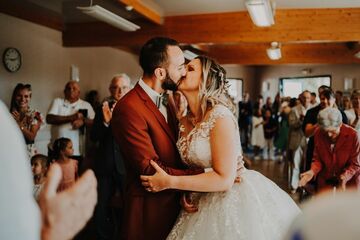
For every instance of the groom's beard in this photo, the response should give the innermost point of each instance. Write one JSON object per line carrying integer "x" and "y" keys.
{"x": 169, "y": 84}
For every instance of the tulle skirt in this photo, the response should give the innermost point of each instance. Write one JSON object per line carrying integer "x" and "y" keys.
{"x": 255, "y": 209}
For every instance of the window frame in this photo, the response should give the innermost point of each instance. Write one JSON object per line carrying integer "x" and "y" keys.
{"x": 240, "y": 95}
{"x": 281, "y": 81}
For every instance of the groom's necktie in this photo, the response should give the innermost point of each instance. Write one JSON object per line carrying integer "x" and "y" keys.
{"x": 161, "y": 100}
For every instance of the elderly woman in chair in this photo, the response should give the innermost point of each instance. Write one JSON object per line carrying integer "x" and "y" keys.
{"x": 336, "y": 159}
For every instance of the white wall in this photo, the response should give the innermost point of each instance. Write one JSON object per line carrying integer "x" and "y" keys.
{"x": 46, "y": 64}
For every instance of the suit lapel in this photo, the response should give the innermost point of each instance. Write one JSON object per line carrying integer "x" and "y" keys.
{"x": 171, "y": 115}
{"x": 152, "y": 107}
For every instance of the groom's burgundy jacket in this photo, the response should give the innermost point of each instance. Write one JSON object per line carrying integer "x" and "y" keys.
{"x": 143, "y": 134}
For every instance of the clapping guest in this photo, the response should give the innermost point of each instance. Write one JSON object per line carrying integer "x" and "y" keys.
{"x": 327, "y": 99}
{"x": 109, "y": 164}
{"x": 28, "y": 120}
{"x": 336, "y": 159}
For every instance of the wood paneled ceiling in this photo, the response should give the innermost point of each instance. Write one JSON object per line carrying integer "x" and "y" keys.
{"x": 307, "y": 36}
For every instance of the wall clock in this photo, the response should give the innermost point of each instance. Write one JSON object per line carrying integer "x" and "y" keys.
{"x": 12, "y": 59}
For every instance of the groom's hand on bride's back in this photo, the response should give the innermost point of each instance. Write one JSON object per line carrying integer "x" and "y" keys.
{"x": 187, "y": 204}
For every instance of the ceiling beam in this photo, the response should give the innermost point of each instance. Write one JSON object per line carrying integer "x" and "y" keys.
{"x": 255, "y": 54}
{"x": 28, "y": 11}
{"x": 299, "y": 25}
{"x": 144, "y": 10}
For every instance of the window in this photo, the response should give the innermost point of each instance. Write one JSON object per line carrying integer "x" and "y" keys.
{"x": 294, "y": 86}
{"x": 236, "y": 88}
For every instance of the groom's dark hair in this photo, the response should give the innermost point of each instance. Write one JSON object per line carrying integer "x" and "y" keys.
{"x": 154, "y": 54}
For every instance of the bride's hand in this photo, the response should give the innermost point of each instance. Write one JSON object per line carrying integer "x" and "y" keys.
{"x": 157, "y": 182}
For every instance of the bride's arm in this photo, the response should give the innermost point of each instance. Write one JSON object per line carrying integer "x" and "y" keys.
{"x": 223, "y": 150}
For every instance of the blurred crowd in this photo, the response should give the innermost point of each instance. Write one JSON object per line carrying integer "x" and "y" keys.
{"x": 317, "y": 139}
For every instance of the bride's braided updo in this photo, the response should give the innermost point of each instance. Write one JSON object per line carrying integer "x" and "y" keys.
{"x": 214, "y": 86}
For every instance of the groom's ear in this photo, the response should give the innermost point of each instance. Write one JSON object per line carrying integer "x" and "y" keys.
{"x": 160, "y": 73}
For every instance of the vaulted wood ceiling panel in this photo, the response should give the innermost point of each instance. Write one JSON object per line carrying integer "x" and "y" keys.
{"x": 317, "y": 25}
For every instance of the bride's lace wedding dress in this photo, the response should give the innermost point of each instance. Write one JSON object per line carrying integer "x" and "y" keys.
{"x": 254, "y": 209}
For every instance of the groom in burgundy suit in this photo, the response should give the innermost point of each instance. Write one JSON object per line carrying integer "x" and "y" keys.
{"x": 146, "y": 129}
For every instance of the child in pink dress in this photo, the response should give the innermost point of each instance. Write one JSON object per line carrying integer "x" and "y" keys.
{"x": 63, "y": 150}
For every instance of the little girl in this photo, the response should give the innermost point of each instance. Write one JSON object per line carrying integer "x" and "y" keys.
{"x": 63, "y": 150}
{"x": 39, "y": 169}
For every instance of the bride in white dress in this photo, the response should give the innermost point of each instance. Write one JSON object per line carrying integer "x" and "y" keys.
{"x": 254, "y": 209}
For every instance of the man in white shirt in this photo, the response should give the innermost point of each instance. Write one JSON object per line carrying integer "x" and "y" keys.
{"x": 69, "y": 116}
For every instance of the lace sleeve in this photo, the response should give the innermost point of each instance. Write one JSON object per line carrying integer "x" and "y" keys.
{"x": 219, "y": 111}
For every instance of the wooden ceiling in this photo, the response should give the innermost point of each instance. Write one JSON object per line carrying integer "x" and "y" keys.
{"x": 307, "y": 36}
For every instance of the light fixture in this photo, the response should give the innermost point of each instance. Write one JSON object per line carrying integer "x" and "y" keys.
{"x": 274, "y": 52}
{"x": 105, "y": 15}
{"x": 261, "y": 12}
{"x": 357, "y": 55}
{"x": 189, "y": 55}
{"x": 129, "y": 8}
